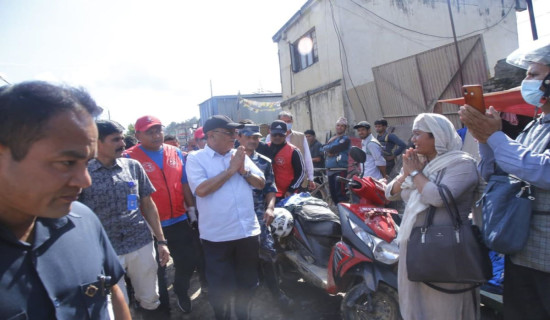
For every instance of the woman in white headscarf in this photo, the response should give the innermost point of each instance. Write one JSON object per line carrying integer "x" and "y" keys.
{"x": 436, "y": 159}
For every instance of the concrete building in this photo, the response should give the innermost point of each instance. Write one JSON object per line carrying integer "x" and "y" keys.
{"x": 367, "y": 59}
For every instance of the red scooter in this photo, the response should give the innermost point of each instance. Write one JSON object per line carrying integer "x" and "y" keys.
{"x": 364, "y": 263}
{"x": 354, "y": 252}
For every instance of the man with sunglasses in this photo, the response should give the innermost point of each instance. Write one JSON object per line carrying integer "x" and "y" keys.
{"x": 288, "y": 163}
{"x": 223, "y": 178}
{"x": 166, "y": 169}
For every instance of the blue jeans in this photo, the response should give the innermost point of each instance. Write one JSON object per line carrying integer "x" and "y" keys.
{"x": 337, "y": 188}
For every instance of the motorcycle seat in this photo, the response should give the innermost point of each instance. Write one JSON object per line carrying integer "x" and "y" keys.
{"x": 321, "y": 228}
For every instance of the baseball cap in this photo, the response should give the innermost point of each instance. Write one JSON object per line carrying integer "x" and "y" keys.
{"x": 363, "y": 124}
{"x": 198, "y": 134}
{"x": 278, "y": 126}
{"x": 250, "y": 130}
{"x": 220, "y": 121}
{"x": 146, "y": 122}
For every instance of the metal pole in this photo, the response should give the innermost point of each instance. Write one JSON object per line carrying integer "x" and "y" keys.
{"x": 532, "y": 19}
{"x": 456, "y": 43}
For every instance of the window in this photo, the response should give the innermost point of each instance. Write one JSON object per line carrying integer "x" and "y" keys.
{"x": 304, "y": 51}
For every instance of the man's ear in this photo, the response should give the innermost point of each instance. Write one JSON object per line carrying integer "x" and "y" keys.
{"x": 5, "y": 152}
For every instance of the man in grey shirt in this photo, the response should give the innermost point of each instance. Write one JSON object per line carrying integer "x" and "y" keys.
{"x": 120, "y": 195}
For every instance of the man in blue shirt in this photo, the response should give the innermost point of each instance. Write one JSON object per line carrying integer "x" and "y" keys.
{"x": 165, "y": 168}
{"x": 392, "y": 146}
{"x": 527, "y": 273}
{"x": 57, "y": 261}
{"x": 337, "y": 149}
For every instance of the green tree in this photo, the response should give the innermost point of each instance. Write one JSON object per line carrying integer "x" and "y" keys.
{"x": 131, "y": 130}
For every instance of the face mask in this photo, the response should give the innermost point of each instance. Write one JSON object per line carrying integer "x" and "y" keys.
{"x": 530, "y": 91}
{"x": 289, "y": 126}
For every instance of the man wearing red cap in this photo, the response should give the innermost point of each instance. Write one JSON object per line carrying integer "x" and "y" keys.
{"x": 200, "y": 138}
{"x": 165, "y": 167}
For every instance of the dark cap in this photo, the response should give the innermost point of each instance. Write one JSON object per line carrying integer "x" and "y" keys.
{"x": 278, "y": 126}
{"x": 250, "y": 130}
{"x": 363, "y": 124}
{"x": 220, "y": 121}
{"x": 146, "y": 122}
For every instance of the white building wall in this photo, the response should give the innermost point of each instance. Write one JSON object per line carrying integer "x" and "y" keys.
{"x": 374, "y": 32}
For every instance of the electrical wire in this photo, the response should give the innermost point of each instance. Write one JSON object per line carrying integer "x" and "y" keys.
{"x": 345, "y": 65}
{"x": 433, "y": 35}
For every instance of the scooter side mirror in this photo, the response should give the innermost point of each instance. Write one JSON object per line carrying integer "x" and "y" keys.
{"x": 357, "y": 154}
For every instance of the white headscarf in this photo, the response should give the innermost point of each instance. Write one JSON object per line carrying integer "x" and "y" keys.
{"x": 447, "y": 146}
{"x": 446, "y": 138}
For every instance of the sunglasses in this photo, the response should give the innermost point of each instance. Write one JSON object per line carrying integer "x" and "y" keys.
{"x": 227, "y": 133}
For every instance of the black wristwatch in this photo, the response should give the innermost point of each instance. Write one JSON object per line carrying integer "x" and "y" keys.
{"x": 162, "y": 242}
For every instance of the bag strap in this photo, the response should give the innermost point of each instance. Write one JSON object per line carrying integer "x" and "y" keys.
{"x": 446, "y": 195}
{"x": 453, "y": 212}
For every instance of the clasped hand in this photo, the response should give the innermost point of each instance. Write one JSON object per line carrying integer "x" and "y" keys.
{"x": 237, "y": 161}
{"x": 412, "y": 162}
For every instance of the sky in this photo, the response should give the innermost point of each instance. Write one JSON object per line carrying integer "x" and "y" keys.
{"x": 145, "y": 57}
{"x": 155, "y": 57}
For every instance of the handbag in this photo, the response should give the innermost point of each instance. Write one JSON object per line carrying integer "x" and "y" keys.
{"x": 448, "y": 253}
{"x": 507, "y": 203}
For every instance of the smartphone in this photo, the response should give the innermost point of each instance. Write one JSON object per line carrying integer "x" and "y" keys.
{"x": 473, "y": 96}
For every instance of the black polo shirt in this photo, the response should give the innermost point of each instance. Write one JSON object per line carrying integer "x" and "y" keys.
{"x": 55, "y": 276}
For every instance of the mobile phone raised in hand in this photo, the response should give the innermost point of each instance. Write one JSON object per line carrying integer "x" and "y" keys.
{"x": 473, "y": 96}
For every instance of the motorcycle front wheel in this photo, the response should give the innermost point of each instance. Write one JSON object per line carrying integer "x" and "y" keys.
{"x": 383, "y": 304}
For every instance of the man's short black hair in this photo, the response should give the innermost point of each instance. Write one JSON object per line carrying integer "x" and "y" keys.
{"x": 381, "y": 122}
{"x": 170, "y": 137}
{"x": 26, "y": 108}
{"x": 130, "y": 141}
{"x": 107, "y": 127}
{"x": 310, "y": 132}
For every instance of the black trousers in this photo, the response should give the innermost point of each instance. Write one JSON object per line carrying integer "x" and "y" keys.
{"x": 231, "y": 270}
{"x": 184, "y": 255}
{"x": 526, "y": 292}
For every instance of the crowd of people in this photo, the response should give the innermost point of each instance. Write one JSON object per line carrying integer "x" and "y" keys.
{"x": 209, "y": 209}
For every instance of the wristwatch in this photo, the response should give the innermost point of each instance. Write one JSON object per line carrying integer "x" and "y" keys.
{"x": 246, "y": 174}
{"x": 162, "y": 242}
{"x": 414, "y": 174}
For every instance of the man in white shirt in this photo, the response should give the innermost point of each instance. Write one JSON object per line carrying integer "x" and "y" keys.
{"x": 375, "y": 165}
{"x": 222, "y": 179}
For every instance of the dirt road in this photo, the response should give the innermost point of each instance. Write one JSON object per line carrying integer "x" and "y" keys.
{"x": 310, "y": 304}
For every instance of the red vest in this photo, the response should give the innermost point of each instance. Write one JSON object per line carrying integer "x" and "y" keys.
{"x": 168, "y": 196}
{"x": 282, "y": 169}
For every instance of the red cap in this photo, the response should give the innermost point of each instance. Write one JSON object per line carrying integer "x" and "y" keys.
{"x": 146, "y": 122}
{"x": 198, "y": 134}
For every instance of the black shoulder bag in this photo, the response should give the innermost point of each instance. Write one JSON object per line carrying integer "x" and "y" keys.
{"x": 448, "y": 253}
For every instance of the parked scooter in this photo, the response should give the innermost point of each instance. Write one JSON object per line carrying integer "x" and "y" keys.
{"x": 354, "y": 253}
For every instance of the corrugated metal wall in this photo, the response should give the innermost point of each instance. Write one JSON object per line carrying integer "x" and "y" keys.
{"x": 413, "y": 85}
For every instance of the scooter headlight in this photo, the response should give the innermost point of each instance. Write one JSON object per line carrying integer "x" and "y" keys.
{"x": 385, "y": 252}
{"x": 362, "y": 234}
